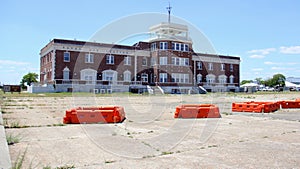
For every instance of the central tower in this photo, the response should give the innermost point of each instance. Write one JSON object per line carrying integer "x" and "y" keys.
{"x": 171, "y": 56}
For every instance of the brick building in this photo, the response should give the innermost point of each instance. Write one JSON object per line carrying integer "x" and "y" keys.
{"x": 166, "y": 62}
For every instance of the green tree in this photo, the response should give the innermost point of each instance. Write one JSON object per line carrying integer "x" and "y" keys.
{"x": 28, "y": 79}
{"x": 246, "y": 81}
{"x": 277, "y": 79}
{"x": 259, "y": 80}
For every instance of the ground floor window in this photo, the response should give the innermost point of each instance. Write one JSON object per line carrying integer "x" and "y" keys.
{"x": 127, "y": 76}
{"x": 180, "y": 78}
{"x": 109, "y": 75}
{"x": 144, "y": 77}
{"x": 163, "y": 77}
{"x": 199, "y": 78}
{"x": 89, "y": 75}
{"x": 222, "y": 79}
{"x": 210, "y": 78}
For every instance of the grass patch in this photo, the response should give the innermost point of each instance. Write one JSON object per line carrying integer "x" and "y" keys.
{"x": 109, "y": 161}
{"x": 19, "y": 161}
{"x": 166, "y": 152}
{"x": 227, "y": 113}
{"x": 59, "y": 124}
{"x": 149, "y": 156}
{"x": 66, "y": 167}
{"x": 5, "y": 112}
{"x": 211, "y": 146}
{"x": 265, "y": 137}
{"x": 12, "y": 139}
{"x": 13, "y": 124}
{"x": 147, "y": 144}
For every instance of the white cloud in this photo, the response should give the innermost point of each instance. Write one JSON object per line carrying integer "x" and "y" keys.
{"x": 280, "y": 63}
{"x": 257, "y": 69}
{"x": 290, "y": 50}
{"x": 282, "y": 68}
{"x": 12, "y": 62}
{"x": 262, "y": 51}
{"x": 257, "y": 56}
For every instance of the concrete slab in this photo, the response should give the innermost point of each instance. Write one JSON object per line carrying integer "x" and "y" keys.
{"x": 5, "y": 162}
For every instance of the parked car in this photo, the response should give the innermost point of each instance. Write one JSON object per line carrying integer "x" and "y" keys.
{"x": 269, "y": 89}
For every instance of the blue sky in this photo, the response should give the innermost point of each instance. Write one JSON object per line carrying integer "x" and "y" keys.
{"x": 264, "y": 33}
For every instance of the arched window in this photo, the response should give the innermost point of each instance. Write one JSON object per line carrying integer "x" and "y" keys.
{"x": 199, "y": 78}
{"x": 88, "y": 75}
{"x": 210, "y": 78}
{"x": 110, "y": 75}
{"x": 66, "y": 73}
{"x": 222, "y": 79}
{"x": 231, "y": 79}
{"x": 127, "y": 76}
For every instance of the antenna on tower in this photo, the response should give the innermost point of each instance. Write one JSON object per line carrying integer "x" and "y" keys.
{"x": 169, "y": 11}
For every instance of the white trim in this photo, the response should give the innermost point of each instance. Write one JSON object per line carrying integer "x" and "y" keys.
{"x": 215, "y": 60}
{"x": 53, "y": 65}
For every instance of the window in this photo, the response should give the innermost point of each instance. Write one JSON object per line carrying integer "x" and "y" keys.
{"x": 110, "y": 75}
{"x": 186, "y": 61}
{"x": 144, "y": 61}
{"x": 177, "y": 45}
{"x": 210, "y": 78}
{"x": 182, "y": 47}
{"x": 144, "y": 77}
{"x": 66, "y": 73}
{"x": 127, "y": 76}
{"x": 199, "y": 65}
{"x": 210, "y": 66}
{"x": 66, "y": 56}
{"x": 231, "y": 67}
{"x": 89, "y": 58}
{"x": 231, "y": 79}
{"x": 222, "y": 79}
{"x": 163, "y": 77}
{"x": 199, "y": 78}
{"x": 127, "y": 60}
{"x": 110, "y": 59}
{"x": 186, "y": 47}
{"x": 180, "y": 78}
{"x": 153, "y": 46}
{"x": 163, "y": 45}
{"x": 180, "y": 61}
{"x": 222, "y": 67}
{"x": 88, "y": 75}
{"x": 153, "y": 61}
{"x": 163, "y": 60}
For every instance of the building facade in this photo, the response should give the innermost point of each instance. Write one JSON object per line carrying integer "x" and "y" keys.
{"x": 167, "y": 61}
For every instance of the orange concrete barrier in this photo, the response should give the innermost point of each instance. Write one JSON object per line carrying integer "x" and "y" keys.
{"x": 290, "y": 104}
{"x": 105, "y": 114}
{"x": 255, "y": 107}
{"x": 197, "y": 111}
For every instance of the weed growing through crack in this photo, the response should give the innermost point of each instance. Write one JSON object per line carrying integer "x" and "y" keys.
{"x": 12, "y": 139}
{"x": 109, "y": 161}
{"x": 19, "y": 161}
{"x": 166, "y": 152}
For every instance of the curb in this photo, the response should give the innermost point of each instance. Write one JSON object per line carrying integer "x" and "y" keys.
{"x": 5, "y": 161}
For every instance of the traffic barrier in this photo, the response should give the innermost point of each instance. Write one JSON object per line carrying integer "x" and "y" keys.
{"x": 197, "y": 111}
{"x": 105, "y": 114}
{"x": 255, "y": 107}
{"x": 290, "y": 104}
